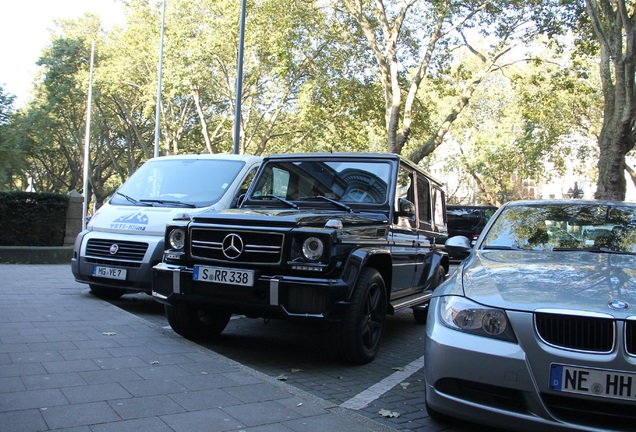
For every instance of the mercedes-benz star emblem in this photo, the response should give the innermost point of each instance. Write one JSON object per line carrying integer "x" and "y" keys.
{"x": 232, "y": 246}
{"x": 114, "y": 248}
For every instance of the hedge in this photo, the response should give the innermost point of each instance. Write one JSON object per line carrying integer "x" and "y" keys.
{"x": 32, "y": 219}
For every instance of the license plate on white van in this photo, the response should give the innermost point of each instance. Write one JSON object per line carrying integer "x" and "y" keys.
{"x": 223, "y": 275}
{"x": 109, "y": 272}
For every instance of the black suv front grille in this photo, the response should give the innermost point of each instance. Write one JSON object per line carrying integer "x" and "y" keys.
{"x": 256, "y": 247}
{"x": 580, "y": 333}
{"x": 126, "y": 250}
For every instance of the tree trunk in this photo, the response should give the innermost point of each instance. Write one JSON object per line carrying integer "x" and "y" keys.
{"x": 615, "y": 28}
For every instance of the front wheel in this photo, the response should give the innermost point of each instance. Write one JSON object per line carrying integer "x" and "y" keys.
{"x": 106, "y": 293}
{"x": 421, "y": 315}
{"x": 359, "y": 333}
{"x": 434, "y": 414}
{"x": 192, "y": 322}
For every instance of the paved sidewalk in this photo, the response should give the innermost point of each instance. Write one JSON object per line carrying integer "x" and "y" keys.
{"x": 72, "y": 362}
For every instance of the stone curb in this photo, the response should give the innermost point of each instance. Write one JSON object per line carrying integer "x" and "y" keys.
{"x": 36, "y": 254}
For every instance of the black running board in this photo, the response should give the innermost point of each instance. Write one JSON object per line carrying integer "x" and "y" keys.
{"x": 419, "y": 300}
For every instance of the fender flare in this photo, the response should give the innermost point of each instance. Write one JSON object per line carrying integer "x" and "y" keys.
{"x": 377, "y": 258}
{"x": 438, "y": 258}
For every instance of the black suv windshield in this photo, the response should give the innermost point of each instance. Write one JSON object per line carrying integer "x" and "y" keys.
{"x": 342, "y": 181}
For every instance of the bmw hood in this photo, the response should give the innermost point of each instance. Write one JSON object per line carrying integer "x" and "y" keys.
{"x": 527, "y": 281}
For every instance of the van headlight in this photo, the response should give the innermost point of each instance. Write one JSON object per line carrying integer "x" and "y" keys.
{"x": 464, "y": 315}
{"x": 313, "y": 248}
{"x": 176, "y": 238}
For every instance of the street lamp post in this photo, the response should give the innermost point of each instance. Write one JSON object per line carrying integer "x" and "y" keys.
{"x": 239, "y": 81}
{"x": 87, "y": 138}
{"x": 160, "y": 67}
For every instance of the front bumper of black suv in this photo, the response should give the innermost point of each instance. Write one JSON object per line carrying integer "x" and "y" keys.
{"x": 271, "y": 296}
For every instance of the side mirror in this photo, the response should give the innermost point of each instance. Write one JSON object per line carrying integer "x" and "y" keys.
{"x": 458, "y": 246}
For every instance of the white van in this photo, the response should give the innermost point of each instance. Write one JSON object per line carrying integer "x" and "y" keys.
{"x": 125, "y": 237}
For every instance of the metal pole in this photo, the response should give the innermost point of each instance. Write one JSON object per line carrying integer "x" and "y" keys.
{"x": 160, "y": 67}
{"x": 239, "y": 81}
{"x": 87, "y": 138}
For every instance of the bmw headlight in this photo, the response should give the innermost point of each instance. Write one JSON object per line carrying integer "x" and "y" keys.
{"x": 464, "y": 315}
{"x": 177, "y": 239}
{"x": 313, "y": 248}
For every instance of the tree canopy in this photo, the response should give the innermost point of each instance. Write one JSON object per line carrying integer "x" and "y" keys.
{"x": 498, "y": 81}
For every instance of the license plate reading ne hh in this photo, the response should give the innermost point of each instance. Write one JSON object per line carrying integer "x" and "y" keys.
{"x": 109, "y": 272}
{"x": 596, "y": 382}
{"x": 223, "y": 275}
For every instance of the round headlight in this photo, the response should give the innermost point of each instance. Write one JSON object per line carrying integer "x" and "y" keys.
{"x": 494, "y": 322}
{"x": 177, "y": 238}
{"x": 313, "y": 248}
{"x": 462, "y": 314}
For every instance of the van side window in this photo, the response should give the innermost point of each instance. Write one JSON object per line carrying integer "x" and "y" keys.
{"x": 247, "y": 181}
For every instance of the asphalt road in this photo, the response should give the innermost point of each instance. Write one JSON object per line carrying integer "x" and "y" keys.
{"x": 390, "y": 389}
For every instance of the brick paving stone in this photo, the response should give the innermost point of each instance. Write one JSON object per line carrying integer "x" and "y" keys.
{"x": 145, "y": 406}
{"x": 67, "y": 416}
{"x": 74, "y": 363}
{"x": 23, "y": 421}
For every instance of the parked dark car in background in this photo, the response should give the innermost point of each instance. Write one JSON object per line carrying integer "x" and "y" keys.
{"x": 536, "y": 330}
{"x": 468, "y": 221}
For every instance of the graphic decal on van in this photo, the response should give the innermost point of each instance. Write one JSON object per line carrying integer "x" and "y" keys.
{"x": 132, "y": 221}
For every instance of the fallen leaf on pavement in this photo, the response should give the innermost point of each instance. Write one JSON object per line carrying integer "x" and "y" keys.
{"x": 389, "y": 414}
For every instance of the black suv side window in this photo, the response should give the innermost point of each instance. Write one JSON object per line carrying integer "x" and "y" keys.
{"x": 439, "y": 211}
{"x": 406, "y": 191}
{"x": 424, "y": 202}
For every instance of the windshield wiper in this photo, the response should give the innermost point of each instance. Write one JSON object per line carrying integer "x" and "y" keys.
{"x": 501, "y": 247}
{"x": 594, "y": 249}
{"x": 283, "y": 200}
{"x": 331, "y": 200}
{"x": 165, "y": 202}
{"x": 132, "y": 200}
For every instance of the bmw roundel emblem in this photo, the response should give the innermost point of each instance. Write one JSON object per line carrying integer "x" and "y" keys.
{"x": 232, "y": 246}
{"x": 618, "y": 305}
{"x": 114, "y": 248}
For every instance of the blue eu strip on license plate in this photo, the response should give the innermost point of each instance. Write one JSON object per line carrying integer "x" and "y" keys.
{"x": 594, "y": 382}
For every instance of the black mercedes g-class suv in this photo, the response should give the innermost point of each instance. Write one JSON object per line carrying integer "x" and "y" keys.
{"x": 342, "y": 238}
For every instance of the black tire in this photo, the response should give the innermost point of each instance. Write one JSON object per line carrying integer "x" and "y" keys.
{"x": 195, "y": 323}
{"x": 436, "y": 415}
{"x": 421, "y": 315}
{"x": 106, "y": 293}
{"x": 359, "y": 333}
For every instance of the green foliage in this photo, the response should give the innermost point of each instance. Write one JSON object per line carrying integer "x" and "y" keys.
{"x": 535, "y": 122}
{"x": 10, "y": 156}
{"x": 313, "y": 80}
{"x": 32, "y": 219}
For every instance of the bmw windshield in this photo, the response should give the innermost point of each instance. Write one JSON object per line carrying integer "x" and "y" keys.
{"x": 584, "y": 226}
